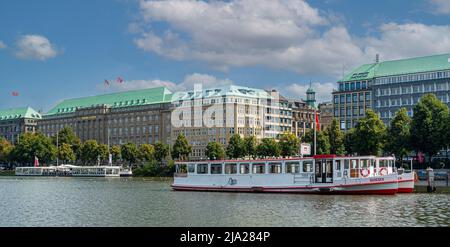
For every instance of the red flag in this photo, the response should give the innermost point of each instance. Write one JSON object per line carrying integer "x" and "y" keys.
{"x": 36, "y": 161}
{"x": 119, "y": 79}
{"x": 317, "y": 121}
{"x": 15, "y": 94}
{"x": 106, "y": 82}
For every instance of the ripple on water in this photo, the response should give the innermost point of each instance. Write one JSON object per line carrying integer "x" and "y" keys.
{"x": 139, "y": 202}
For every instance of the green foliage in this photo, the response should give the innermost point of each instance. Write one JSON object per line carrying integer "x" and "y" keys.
{"x": 181, "y": 148}
{"x": 5, "y": 150}
{"x": 116, "y": 153}
{"x": 348, "y": 142}
{"x": 250, "y": 146}
{"x": 399, "y": 135}
{"x": 89, "y": 152}
{"x": 322, "y": 140}
{"x": 429, "y": 128}
{"x": 67, "y": 136}
{"x": 161, "y": 151}
{"x": 31, "y": 145}
{"x": 289, "y": 144}
{"x": 268, "y": 148}
{"x": 336, "y": 138}
{"x": 155, "y": 169}
{"x": 215, "y": 151}
{"x": 235, "y": 148}
{"x": 66, "y": 154}
{"x": 130, "y": 153}
{"x": 146, "y": 152}
{"x": 369, "y": 135}
{"x": 103, "y": 152}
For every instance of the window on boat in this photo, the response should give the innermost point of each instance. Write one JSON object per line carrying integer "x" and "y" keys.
{"x": 275, "y": 167}
{"x": 307, "y": 166}
{"x": 191, "y": 168}
{"x": 364, "y": 164}
{"x": 329, "y": 167}
{"x": 382, "y": 163}
{"x": 244, "y": 168}
{"x": 216, "y": 168}
{"x": 181, "y": 168}
{"x": 292, "y": 167}
{"x": 230, "y": 168}
{"x": 202, "y": 169}
{"x": 354, "y": 169}
{"x": 338, "y": 168}
{"x": 346, "y": 164}
{"x": 258, "y": 168}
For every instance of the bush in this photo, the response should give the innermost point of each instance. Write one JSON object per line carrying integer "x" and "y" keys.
{"x": 155, "y": 169}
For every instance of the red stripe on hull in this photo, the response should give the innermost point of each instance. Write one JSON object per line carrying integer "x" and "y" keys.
{"x": 287, "y": 191}
{"x": 405, "y": 190}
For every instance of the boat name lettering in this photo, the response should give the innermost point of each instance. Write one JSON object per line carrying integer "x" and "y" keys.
{"x": 376, "y": 179}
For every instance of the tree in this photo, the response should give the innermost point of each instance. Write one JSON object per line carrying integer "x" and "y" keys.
{"x": 348, "y": 142}
{"x": 67, "y": 136}
{"x": 116, "y": 153}
{"x": 429, "y": 125}
{"x": 250, "y": 145}
{"x": 215, "y": 151}
{"x": 66, "y": 154}
{"x": 235, "y": 148}
{"x": 336, "y": 138}
{"x": 369, "y": 135}
{"x": 268, "y": 148}
{"x": 181, "y": 149}
{"x": 130, "y": 153}
{"x": 103, "y": 152}
{"x": 289, "y": 144}
{"x": 89, "y": 152}
{"x": 146, "y": 152}
{"x": 31, "y": 145}
{"x": 322, "y": 140}
{"x": 399, "y": 135}
{"x": 5, "y": 150}
{"x": 161, "y": 151}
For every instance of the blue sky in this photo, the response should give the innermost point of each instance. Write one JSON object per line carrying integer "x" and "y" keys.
{"x": 52, "y": 49}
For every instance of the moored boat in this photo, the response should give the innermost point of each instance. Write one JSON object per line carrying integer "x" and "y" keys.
{"x": 69, "y": 171}
{"x": 322, "y": 174}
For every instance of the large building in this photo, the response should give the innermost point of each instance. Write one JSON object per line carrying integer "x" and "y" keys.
{"x": 215, "y": 114}
{"x": 388, "y": 86}
{"x": 303, "y": 117}
{"x": 326, "y": 114}
{"x": 141, "y": 116}
{"x": 17, "y": 121}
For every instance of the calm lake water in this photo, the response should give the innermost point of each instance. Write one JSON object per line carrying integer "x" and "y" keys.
{"x": 50, "y": 201}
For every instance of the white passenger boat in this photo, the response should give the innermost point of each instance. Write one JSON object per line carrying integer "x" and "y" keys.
{"x": 70, "y": 171}
{"x": 328, "y": 174}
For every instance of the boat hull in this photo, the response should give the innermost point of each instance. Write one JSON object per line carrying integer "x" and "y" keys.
{"x": 388, "y": 188}
{"x": 406, "y": 183}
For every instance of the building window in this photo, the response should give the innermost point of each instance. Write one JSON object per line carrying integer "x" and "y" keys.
{"x": 364, "y": 85}
{"x": 347, "y": 86}
{"x": 355, "y": 97}
{"x": 349, "y": 98}
{"x": 368, "y": 98}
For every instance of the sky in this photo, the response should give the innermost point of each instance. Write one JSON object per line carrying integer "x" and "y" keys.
{"x": 52, "y": 50}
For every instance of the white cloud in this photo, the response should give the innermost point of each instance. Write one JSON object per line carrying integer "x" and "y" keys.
{"x": 440, "y": 6}
{"x": 298, "y": 91}
{"x": 2, "y": 45}
{"x": 286, "y": 34}
{"x": 35, "y": 47}
{"x": 207, "y": 81}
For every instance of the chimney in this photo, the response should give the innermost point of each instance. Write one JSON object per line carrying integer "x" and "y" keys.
{"x": 377, "y": 58}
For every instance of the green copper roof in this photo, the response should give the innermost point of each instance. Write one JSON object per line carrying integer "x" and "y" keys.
{"x": 229, "y": 90}
{"x": 115, "y": 100}
{"x": 400, "y": 67}
{"x": 16, "y": 113}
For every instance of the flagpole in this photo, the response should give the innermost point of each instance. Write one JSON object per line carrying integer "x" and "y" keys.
{"x": 315, "y": 134}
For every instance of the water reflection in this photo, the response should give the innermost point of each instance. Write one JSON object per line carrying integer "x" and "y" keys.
{"x": 146, "y": 202}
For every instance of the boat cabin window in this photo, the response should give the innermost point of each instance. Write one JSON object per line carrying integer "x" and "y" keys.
{"x": 191, "y": 168}
{"x": 230, "y": 168}
{"x": 364, "y": 164}
{"x": 259, "y": 168}
{"x": 354, "y": 168}
{"x": 202, "y": 169}
{"x": 382, "y": 163}
{"x": 346, "y": 164}
{"x": 292, "y": 167}
{"x": 181, "y": 168}
{"x": 244, "y": 168}
{"x": 216, "y": 168}
{"x": 338, "y": 168}
{"x": 307, "y": 166}
{"x": 275, "y": 168}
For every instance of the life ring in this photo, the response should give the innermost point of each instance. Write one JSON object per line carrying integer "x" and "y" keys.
{"x": 383, "y": 171}
{"x": 364, "y": 172}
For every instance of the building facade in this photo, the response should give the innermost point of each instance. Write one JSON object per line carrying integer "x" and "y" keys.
{"x": 303, "y": 117}
{"x": 139, "y": 117}
{"x": 215, "y": 114}
{"x": 326, "y": 110}
{"x": 388, "y": 86}
{"x": 17, "y": 121}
